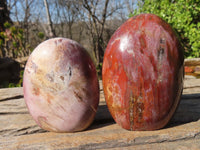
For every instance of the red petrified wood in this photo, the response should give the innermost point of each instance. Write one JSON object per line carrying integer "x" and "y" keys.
{"x": 143, "y": 73}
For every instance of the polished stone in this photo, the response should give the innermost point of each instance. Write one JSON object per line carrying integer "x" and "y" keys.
{"x": 60, "y": 85}
{"x": 143, "y": 73}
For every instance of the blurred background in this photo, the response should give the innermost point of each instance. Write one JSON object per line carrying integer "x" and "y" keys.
{"x": 26, "y": 23}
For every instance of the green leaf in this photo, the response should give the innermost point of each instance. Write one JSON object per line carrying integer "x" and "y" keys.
{"x": 41, "y": 35}
{"x": 7, "y": 25}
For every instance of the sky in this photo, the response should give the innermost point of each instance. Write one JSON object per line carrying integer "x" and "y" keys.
{"x": 37, "y": 10}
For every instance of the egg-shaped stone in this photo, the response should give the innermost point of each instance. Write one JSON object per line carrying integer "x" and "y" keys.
{"x": 60, "y": 84}
{"x": 143, "y": 73}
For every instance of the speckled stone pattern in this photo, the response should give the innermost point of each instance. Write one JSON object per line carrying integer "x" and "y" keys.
{"x": 61, "y": 88}
{"x": 143, "y": 73}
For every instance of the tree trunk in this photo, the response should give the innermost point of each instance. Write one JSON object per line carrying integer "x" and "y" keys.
{"x": 4, "y": 14}
{"x": 70, "y": 30}
{"x": 49, "y": 22}
{"x": 99, "y": 51}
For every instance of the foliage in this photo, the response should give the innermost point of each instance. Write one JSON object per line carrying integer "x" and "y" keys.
{"x": 12, "y": 42}
{"x": 41, "y": 35}
{"x": 182, "y": 15}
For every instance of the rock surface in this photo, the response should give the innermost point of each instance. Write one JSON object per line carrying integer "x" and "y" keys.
{"x": 19, "y": 131}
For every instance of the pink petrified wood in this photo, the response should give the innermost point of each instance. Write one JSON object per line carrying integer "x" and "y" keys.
{"x": 60, "y": 85}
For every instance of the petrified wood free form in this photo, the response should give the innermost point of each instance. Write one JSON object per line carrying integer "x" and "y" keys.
{"x": 61, "y": 88}
{"x": 143, "y": 73}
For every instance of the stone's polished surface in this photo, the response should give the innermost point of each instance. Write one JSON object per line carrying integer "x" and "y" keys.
{"x": 143, "y": 73}
{"x": 61, "y": 88}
